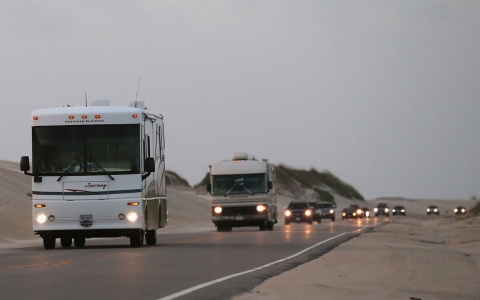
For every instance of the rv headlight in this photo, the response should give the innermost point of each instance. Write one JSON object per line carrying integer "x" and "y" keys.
{"x": 41, "y": 218}
{"x": 217, "y": 209}
{"x": 288, "y": 213}
{"x": 261, "y": 208}
{"x": 132, "y": 216}
{"x": 308, "y": 213}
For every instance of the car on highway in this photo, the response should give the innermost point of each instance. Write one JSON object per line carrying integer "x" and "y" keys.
{"x": 298, "y": 211}
{"x": 328, "y": 210}
{"x": 382, "y": 209}
{"x": 366, "y": 212}
{"x": 317, "y": 212}
{"x": 399, "y": 210}
{"x": 349, "y": 212}
{"x": 358, "y": 210}
{"x": 460, "y": 210}
{"x": 433, "y": 210}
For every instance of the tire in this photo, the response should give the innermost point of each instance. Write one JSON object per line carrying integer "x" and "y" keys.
{"x": 223, "y": 228}
{"x": 319, "y": 220}
{"x": 151, "y": 237}
{"x": 270, "y": 226}
{"x": 79, "y": 242}
{"x": 136, "y": 240}
{"x": 48, "y": 243}
{"x": 333, "y": 219}
{"x": 287, "y": 222}
{"x": 310, "y": 222}
{"x": 262, "y": 227}
{"x": 66, "y": 242}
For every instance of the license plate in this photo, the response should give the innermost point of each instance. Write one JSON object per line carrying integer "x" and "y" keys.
{"x": 239, "y": 218}
{"x": 297, "y": 219}
{"x": 86, "y": 220}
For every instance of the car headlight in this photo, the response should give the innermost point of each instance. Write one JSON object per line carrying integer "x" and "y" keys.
{"x": 375, "y": 209}
{"x": 428, "y": 209}
{"x": 261, "y": 208}
{"x": 359, "y": 211}
{"x": 354, "y": 214}
{"x": 132, "y": 216}
{"x": 455, "y": 210}
{"x": 41, "y": 218}
{"x": 331, "y": 211}
{"x": 393, "y": 210}
{"x": 435, "y": 210}
{"x": 308, "y": 212}
{"x": 403, "y": 210}
{"x": 217, "y": 209}
{"x": 386, "y": 209}
{"x": 288, "y": 213}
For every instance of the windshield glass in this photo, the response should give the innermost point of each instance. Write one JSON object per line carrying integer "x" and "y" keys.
{"x": 108, "y": 149}
{"x": 298, "y": 205}
{"x": 239, "y": 184}
{"x": 325, "y": 205}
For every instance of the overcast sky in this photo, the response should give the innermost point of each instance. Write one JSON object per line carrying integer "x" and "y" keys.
{"x": 384, "y": 94}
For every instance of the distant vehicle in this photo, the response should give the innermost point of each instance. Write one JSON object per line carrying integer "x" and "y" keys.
{"x": 433, "y": 209}
{"x": 317, "y": 212}
{"x": 328, "y": 210}
{"x": 243, "y": 193}
{"x": 399, "y": 210}
{"x": 298, "y": 211}
{"x": 366, "y": 211}
{"x": 358, "y": 210}
{"x": 460, "y": 210}
{"x": 349, "y": 212}
{"x": 382, "y": 209}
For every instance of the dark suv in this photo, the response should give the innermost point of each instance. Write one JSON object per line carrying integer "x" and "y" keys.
{"x": 328, "y": 210}
{"x": 298, "y": 211}
{"x": 399, "y": 210}
{"x": 382, "y": 209}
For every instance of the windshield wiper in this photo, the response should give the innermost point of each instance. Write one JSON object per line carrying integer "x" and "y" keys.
{"x": 111, "y": 177}
{"x": 68, "y": 168}
{"x": 247, "y": 190}
{"x": 226, "y": 194}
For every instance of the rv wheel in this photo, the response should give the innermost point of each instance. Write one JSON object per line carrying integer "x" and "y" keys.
{"x": 79, "y": 242}
{"x": 136, "y": 240}
{"x": 49, "y": 243}
{"x": 151, "y": 237}
{"x": 66, "y": 242}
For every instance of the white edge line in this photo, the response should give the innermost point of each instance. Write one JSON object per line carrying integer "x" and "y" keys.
{"x": 200, "y": 286}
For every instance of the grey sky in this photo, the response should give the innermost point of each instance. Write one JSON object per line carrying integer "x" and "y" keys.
{"x": 384, "y": 94}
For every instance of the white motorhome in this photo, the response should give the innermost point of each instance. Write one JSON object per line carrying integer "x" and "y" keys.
{"x": 243, "y": 191}
{"x": 98, "y": 171}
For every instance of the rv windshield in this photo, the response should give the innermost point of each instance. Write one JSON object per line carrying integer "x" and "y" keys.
{"x": 92, "y": 149}
{"x": 239, "y": 184}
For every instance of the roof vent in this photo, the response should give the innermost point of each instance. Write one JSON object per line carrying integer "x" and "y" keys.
{"x": 100, "y": 103}
{"x": 240, "y": 156}
{"x": 138, "y": 104}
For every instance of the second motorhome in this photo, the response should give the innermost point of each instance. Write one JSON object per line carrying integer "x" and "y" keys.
{"x": 243, "y": 193}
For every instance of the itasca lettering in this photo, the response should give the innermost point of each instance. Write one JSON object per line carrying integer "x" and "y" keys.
{"x": 96, "y": 185}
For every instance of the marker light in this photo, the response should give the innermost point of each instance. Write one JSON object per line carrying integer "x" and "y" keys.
{"x": 39, "y": 205}
{"x": 41, "y": 218}
{"x": 218, "y": 209}
{"x": 84, "y": 116}
{"x": 133, "y": 203}
{"x": 261, "y": 208}
{"x": 132, "y": 216}
{"x": 35, "y": 118}
{"x": 135, "y": 116}
{"x": 71, "y": 117}
{"x": 97, "y": 116}
{"x": 288, "y": 213}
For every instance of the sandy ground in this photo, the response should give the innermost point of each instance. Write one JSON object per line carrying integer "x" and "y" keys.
{"x": 409, "y": 258}
{"x": 413, "y": 257}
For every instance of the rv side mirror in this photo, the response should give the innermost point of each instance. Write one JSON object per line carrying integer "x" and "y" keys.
{"x": 25, "y": 164}
{"x": 149, "y": 164}
{"x": 270, "y": 185}
{"x": 209, "y": 187}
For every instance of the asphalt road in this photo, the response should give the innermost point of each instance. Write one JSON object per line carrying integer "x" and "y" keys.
{"x": 200, "y": 265}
